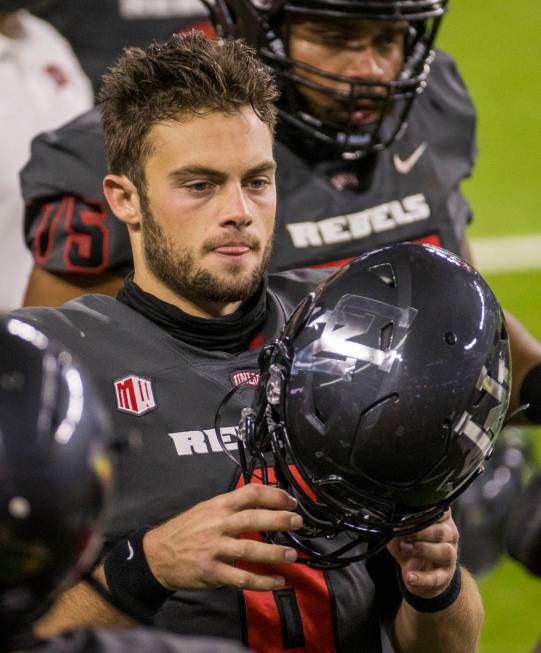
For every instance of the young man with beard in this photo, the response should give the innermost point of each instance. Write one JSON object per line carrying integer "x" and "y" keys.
{"x": 376, "y": 132}
{"x": 189, "y": 125}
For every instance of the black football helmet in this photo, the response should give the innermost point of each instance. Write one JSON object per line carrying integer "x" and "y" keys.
{"x": 265, "y": 24}
{"x": 54, "y": 474}
{"x": 382, "y": 399}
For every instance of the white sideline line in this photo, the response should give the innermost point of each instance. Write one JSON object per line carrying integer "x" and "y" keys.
{"x": 507, "y": 254}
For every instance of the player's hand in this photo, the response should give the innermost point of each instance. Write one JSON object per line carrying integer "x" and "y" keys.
{"x": 198, "y": 548}
{"x": 428, "y": 558}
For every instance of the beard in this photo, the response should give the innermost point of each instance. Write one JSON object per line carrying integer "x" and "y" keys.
{"x": 175, "y": 267}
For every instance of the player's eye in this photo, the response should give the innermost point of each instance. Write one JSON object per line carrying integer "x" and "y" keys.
{"x": 390, "y": 38}
{"x": 258, "y": 183}
{"x": 199, "y": 187}
{"x": 334, "y": 38}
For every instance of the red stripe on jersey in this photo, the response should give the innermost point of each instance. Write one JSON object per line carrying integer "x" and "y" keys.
{"x": 256, "y": 342}
{"x": 334, "y": 264}
{"x": 432, "y": 239}
{"x": 263, "y": 624}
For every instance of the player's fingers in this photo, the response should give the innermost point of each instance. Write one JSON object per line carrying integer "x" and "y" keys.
{"x": 442, "y": 554}
{"x": 439, "y": 532}
{"x": 256, "y": 495}
{"x": 428, "y": 584}
{"x": 254, "y": 551}
{"x": 226, "y": 574}
{"x": 261, "y": 520}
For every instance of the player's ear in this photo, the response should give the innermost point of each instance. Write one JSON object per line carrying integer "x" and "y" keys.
{"x": 123, "y": 198}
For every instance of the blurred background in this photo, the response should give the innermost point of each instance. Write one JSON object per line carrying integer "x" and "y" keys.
{"x": 497, "y": 45}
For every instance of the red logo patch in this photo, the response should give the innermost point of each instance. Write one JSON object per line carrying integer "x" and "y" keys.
{"x": 134, "y": 395}
{"x": 245, "y": 378}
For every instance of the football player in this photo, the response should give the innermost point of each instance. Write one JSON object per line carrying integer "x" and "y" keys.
{"x": 375, "y": 133}
{"x": 192, "y": 177}
{"x": 55, "y": 482}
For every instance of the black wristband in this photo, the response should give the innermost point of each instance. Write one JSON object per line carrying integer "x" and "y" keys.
{"x": 132, "y": 586}
{"x": 530, "y": 393}
{"x": 440, "y": 602}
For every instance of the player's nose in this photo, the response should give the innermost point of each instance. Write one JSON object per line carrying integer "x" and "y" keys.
{"x": 365, "y": 63}
{"x": 236, "y": 207}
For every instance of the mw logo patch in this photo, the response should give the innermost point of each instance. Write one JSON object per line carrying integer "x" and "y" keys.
{"x": 134, "y": 395}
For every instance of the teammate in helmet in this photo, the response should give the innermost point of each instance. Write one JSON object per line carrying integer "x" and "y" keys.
{"x": 191, "y": 154}
{"x": 349, "y": 72}
{"x": 55, "y": 482}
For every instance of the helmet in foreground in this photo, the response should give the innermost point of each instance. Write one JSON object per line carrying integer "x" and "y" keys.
{"x": 383, "y": 397}
{"x": 266, "y": 25}
{"x": 54, "y": 473}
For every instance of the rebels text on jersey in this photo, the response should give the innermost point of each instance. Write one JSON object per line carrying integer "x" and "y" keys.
{"x": 164, "y": 396}
{"x": 323, "y": 217}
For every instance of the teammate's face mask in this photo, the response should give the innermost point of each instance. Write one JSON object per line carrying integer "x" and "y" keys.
{"x": 353, "y": 112}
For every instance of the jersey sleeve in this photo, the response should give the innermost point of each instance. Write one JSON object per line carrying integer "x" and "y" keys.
{"x": 68, "y": 224}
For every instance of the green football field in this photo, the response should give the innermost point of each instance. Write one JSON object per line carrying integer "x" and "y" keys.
{"x": 497, "y": 45}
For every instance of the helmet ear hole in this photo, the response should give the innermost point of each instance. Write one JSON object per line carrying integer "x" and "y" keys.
{"x": 386, "y": 337}
{"x": 479, "y": 397}
{"x": 319, "y": 414}
{"x": 386, "y": 273}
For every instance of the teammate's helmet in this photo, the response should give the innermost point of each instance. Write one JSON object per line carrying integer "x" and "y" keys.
{"x": 54, "y": 473}
{"x": 386, "y": 393}
{"x": 265, "y": 25}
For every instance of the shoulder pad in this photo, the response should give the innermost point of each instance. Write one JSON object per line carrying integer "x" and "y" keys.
{"x": 69, "y": 160}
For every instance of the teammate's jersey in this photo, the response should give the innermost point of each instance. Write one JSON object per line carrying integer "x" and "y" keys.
{"x": 413, "y": 192}
{"x": 165, "y": 398}
{"x": 138, "y": 640}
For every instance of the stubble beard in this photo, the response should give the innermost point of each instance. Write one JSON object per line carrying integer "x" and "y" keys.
{"x": 174, "y": 266}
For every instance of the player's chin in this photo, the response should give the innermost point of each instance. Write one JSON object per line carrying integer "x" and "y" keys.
{"x": 235, "y": 266}
{"x": 235, "y": 288}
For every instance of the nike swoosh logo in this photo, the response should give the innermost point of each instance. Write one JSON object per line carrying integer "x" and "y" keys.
{"x": 131, "y": 551}
{"x": 406, "y": 166}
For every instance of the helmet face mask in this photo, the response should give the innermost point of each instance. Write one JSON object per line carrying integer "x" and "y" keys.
{"x": 267, "y": 27}
{"x": 382, "y": 399}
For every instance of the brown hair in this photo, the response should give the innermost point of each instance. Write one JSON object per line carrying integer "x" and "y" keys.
{"x": 186, "y": 74}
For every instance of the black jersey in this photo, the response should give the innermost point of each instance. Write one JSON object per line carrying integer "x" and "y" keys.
{"x": 98, "y": 30}
{"x": 166, "y": 397}
{"x": 138, "y": 640}
{"x": 327, "y": 211}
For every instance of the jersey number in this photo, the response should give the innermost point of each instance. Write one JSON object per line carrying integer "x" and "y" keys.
{"x": 301, "y": 613}
{"x": 86, "y": 247}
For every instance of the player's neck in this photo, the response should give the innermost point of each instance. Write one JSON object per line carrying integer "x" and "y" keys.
{"x": 206, "y": 310}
